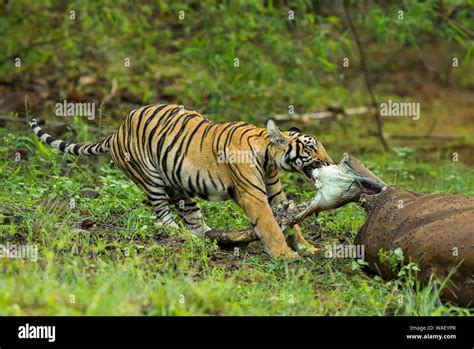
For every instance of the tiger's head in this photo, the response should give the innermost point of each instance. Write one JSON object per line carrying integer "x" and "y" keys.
{"x": 297, "y": 152}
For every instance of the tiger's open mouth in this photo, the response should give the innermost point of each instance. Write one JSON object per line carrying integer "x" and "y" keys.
{"x": 308, "y": 170}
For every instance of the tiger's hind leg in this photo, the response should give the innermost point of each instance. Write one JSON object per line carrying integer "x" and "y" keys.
{"x": 190, "y": 213}
{"x": 150, "y": 182}
{"x": 159, "y": 201}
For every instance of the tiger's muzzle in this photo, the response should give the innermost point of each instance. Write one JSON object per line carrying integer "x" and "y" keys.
{"x": 308, "y": 169}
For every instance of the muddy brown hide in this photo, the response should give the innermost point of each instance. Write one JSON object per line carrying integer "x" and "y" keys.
{"x": 436, "y": 231}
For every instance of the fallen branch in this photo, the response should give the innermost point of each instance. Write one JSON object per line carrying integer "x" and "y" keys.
{"x": 424, "y": 137}
{"x": 327, "y": 114}
{"x": 287, "y": 214}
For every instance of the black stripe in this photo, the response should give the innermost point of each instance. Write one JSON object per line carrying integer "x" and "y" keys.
{"x": 267, "y": 159}
{"x": 274, "y": 182}
{"x": 137, "y": 131}
{"x": 212, "y": 179}
{"x": 75, "y": 150}
{"x": 270, "y": 199}
{"x": 190, "y": 139}
{"x": 169, "y": 148}
{"x": 216, "y": 143}
{"x": 244, "y": 133}
{"x": 192, "y": 192}
{"x": 206, "y": 131}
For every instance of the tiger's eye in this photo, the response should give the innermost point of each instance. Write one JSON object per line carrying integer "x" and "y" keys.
{"x": 311, "y": 147}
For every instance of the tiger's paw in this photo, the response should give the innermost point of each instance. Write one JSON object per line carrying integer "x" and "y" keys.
{"x": 293, "y": 256}
{"x": 285, "y": 254}
{"x": 307, "y": 250}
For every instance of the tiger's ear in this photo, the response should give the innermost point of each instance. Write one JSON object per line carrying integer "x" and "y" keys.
{"x": 295, "y": 129}
{"x": 276, "y": 136}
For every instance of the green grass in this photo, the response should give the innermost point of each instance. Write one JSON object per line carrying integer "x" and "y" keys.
{"x": 128, "y": 264}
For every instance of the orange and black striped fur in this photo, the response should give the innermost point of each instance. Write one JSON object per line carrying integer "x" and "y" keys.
{"x": 174, "y": 155}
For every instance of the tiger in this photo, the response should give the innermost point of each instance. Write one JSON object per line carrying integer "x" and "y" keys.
{"x": 176, "y": 155}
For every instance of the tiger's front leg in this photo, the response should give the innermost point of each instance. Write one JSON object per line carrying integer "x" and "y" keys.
{"x": 276, "y": 195}
{"x": 260, "y": 214}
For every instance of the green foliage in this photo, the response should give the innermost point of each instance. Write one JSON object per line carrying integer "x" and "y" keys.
{"x": 187, "y": 52}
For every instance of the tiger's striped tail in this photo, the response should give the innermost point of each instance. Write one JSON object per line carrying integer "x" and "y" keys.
{"x": 70, "y": 148}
